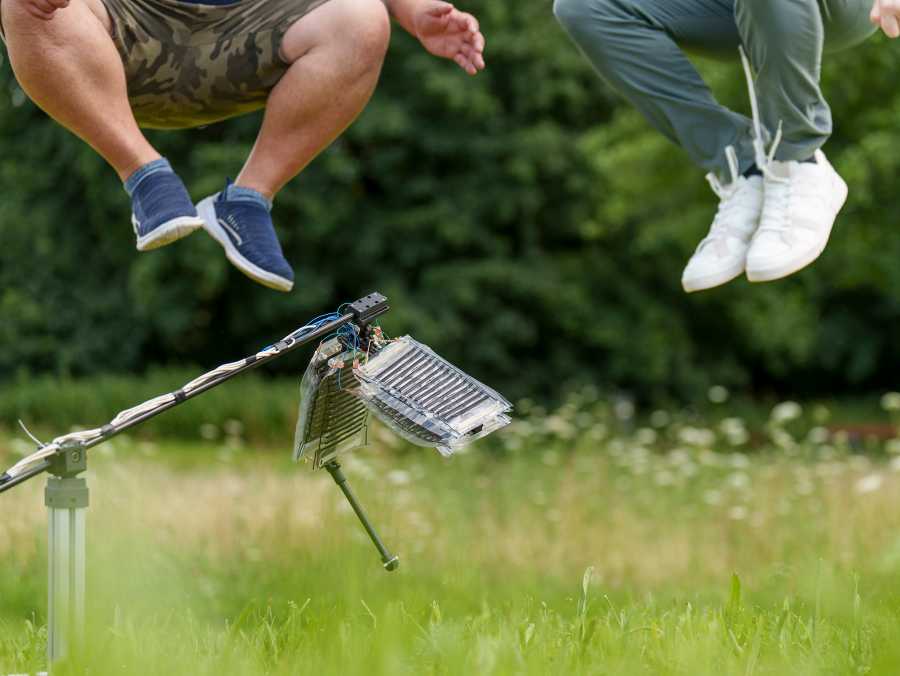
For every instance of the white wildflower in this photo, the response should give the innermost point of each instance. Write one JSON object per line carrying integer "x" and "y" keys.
{"x": 785, "y": 412}
{"x": 783, "y": 439}
{"x": 891, "y": 401}
{"x": 623, "y": 409}
{"x": 560, "y": 426}
{"x": 695, "y": 436}
{"x": 739, "y": 481}
{"x": 869, "y": 484}
{"x": 818, "y": 435}
{"x": 737, "y": 513}
{"x": 399, "y": 477}
{"x": 646, "y": 436}
{"x": 234, "y": 428}
{"x": 735, "y": 431}
{"x": 718, "y": 394}
{"x": 660, "y": 418}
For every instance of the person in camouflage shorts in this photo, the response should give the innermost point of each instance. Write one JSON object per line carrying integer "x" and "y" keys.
{"x": 106, "y": 68}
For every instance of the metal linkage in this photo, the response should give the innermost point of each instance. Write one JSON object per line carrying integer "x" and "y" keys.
{"x": 362, "y": 311}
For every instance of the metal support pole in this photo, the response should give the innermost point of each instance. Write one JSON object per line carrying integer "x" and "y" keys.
{"x": 67, "y": 500}
{"x": 390, "y": 561}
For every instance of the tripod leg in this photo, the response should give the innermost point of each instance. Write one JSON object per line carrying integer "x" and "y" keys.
{"x": 67, "y": 500}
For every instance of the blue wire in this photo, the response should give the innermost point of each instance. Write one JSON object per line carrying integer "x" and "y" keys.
{"x": 312, "y": 325}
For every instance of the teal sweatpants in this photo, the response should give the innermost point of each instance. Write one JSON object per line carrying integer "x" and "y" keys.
{"x": 638, "y": 47}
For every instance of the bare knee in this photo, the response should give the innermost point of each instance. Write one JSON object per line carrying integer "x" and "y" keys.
{"x": 14, "y": 15}
{"x": 370, "y": 31}
{"x": 357, "y": 31}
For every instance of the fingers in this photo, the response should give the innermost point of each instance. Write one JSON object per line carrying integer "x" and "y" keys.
{"x": 468, "y": 58}
{"x": 886, "y": 15}
{"x": 465, "y": 64}
{"x": 468, "y": 26}
{"x": 440, "y": 9}
{"x": 890, "y": 25}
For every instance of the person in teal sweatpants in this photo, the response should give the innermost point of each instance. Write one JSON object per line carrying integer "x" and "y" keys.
{"x": 769, "y": 172}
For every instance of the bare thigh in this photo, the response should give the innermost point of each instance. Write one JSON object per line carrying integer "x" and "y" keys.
{"x": 96, "y": 7}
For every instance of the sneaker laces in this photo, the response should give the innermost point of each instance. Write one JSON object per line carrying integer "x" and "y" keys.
{"x": 763, "y": 159}
{"x": 778, "y": 188}
{"x": 733, "y": 198}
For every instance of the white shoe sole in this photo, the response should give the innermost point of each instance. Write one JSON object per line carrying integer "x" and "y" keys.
{"x": 168, "y": 232}
{"x": 770, "y": 274}
{"x": 713, "y": 280}
{"x": 207, "y": 211}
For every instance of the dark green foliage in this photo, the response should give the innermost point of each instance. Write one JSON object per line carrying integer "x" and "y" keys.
{"x": 525, "y": 223}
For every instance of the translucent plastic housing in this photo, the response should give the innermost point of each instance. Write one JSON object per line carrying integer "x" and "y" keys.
{"x": 405, "y": 384}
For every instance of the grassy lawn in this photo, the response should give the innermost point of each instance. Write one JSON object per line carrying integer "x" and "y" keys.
{"x": 570, "y": 544}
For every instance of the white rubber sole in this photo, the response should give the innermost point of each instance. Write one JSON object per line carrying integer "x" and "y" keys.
{"x": 784, "y": 269}
{"x": 168, "y": 232}
{"x": 713, "y": 280}
{"x": 210, "y": 222}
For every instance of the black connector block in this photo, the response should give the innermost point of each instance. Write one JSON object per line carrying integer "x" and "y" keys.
{"x": 366, "y": 309}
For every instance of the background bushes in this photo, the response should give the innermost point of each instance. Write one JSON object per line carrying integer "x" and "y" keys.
{"x": 525, "y": 223}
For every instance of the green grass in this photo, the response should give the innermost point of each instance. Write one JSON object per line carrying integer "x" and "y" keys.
{"x": 567, "y": 545}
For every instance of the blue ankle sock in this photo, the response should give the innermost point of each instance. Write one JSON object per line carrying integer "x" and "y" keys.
{"x": 143, "y": 172}
{"x": 239, "y": 194}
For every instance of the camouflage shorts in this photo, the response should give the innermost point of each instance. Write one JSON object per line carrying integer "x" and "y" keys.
{"x": 188, "y": 64}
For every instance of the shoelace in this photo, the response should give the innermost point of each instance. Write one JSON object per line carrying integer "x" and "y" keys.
{"x": 778, "y": 188}
{"x": 731, "y": 200}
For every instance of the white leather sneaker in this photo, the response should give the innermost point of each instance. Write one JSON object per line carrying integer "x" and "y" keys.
{"x": 801, "y": 202}
{"x": 722, "y": 254}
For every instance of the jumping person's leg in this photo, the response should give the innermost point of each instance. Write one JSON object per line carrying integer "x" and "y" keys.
{"x": 69, "y": 66}
{"x": 336, "y": 52}
{"x": 785, "y": 41}
{"x": 637, "y": 47}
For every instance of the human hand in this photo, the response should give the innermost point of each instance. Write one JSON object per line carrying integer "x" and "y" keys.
{"x": 886, "y": 15}
{"x": 446, "y": 32}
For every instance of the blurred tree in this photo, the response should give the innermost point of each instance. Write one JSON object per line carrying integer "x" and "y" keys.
{"x": 526, "y": 223}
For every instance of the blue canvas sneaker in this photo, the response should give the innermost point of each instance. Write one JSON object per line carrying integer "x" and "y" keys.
{"x": 239, "y": 219}
{"x": 161, "y": 209}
